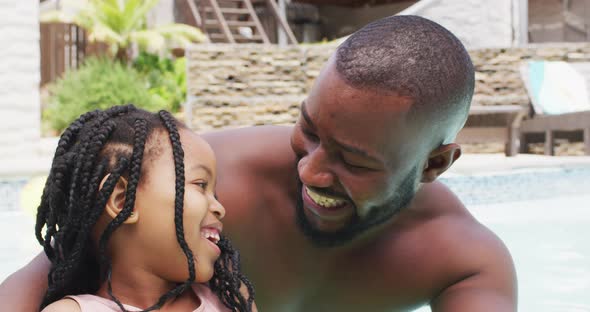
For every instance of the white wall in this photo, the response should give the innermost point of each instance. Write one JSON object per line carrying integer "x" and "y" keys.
{"x": 19, "y": 85}
{"x": 162, "y": 13}
{"x": 477, "y": 23}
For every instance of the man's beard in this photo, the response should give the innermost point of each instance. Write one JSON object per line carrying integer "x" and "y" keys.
{"x": 357, "y": 226}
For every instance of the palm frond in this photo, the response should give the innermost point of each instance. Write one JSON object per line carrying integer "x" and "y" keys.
{"x": 122, "y": 22}
{"x": 148, "y": 40}
{"x": 110, "y": 15}
{"x": 112, "y": 3}
{"x": 177, "y": 42}
{"x": 136, "y": 11}
{"x": 175, "y": 30}
{"x": 105, "y": 34}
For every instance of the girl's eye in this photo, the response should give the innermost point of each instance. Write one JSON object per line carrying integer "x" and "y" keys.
{"x": 202, "y": 185}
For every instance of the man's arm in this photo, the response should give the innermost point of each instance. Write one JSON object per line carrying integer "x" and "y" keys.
{"x": 23, "y": 291}
{"x": 479, "y": 300}
{"x": 493, "y": 289}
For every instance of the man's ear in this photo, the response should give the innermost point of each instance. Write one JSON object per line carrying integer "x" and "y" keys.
{"x": 116, "y": 201}
{"x": 439, "y": 161}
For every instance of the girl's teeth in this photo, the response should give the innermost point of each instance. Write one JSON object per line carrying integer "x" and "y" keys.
{"x": 212, "y": 236}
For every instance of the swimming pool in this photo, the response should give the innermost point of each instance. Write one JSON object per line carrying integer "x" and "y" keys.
{"x": 542, "y": 215}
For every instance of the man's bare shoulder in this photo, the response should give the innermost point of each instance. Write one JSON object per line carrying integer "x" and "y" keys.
{"x": 460, "y": 236}
{"x": 452, "y": 249}
{"x": 63, "y": 305}
{"x": 255, "y": 166}
{"x": 254, "y": 148}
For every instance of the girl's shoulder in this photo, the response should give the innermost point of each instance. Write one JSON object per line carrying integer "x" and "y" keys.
{"x": 210, "y": 302}
{"x": 63, "y": 305}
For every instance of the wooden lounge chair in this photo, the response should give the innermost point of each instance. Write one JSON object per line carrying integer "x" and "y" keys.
{"x": 560, "y": 101}
{"x": 503, "y": 128}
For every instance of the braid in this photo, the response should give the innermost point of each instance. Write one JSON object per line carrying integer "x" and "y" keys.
{"x": 178, "y": 154}
{"x": 60, "y": 169}
{"x": 56, "y": 175}
{"x": 134, "y": 175}
{"x": 57, "y": 289}
{"x": 111, "y": 144}
{"x": 228, "y": 278}
{"x": 69, "y": 219}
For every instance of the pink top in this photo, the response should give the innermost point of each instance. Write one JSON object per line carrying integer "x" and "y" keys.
{"x": 91, "y": 303}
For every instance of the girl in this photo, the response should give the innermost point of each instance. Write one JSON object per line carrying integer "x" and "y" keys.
{"x": 132, "y": 222}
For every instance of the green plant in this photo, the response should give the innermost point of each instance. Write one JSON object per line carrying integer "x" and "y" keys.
{"x": 98, "y": 84}
{"x": 121, "y": 23}
{"x": 166, "y": 77}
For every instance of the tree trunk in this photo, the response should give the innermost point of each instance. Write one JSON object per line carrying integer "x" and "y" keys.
{"x": 122, "y": 55}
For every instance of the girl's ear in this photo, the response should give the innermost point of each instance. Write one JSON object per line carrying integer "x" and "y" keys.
{"x": 116, "y": 201}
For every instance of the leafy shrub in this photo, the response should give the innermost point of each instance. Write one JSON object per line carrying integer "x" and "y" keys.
{"x": 98, "y": 84}
{"x": 166, "y": 78}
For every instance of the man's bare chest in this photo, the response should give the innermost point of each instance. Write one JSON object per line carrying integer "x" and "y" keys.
{"x": 291, "y": 279}
{"x": 344, "y": 292}
{"x": 289, "y": 274}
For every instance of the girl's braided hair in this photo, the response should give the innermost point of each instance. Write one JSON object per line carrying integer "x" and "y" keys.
{"x": 112, "y": 142}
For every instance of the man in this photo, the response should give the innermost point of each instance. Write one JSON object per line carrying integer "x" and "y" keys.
{"x": 342, "y": 212}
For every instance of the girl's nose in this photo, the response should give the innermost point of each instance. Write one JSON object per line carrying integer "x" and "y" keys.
{"x": 217, "y": 208}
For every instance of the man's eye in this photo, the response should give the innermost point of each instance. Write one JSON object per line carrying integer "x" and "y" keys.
{"x": 310, "y": 135}
{"x": 358, "y": 167}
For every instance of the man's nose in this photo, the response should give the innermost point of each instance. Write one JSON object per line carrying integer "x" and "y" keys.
{"x": 314, "y": 169}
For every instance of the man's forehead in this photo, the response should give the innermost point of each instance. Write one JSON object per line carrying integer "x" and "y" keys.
{"x": 364, "y": 117}
{"x": 369, "y": 131}
{"x": 375, "y": 117}
{"x": 332, "y": 92}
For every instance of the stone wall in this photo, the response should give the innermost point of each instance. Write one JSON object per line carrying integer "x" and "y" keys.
{"x": 19, "y": 85}
{"x": 233, "y": 86}
{"x": 497, "y": 74}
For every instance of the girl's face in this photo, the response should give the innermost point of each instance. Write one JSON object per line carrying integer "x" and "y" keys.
{"x": 155, "y": 229}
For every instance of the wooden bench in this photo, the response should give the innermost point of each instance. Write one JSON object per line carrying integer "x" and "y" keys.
{"x": 578, "y": 117}
{"x": 507, "y": 131}
{"x": 548, "y": 124}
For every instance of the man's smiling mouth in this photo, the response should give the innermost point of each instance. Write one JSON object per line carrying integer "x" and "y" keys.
{"x": 326, "y": 207}
{"x": 323, "y": 200}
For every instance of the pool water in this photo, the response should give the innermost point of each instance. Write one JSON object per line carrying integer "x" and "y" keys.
{"x": 543, "y": 217}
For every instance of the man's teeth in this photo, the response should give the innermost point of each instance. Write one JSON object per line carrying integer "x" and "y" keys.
{"x": 324, "y": 201}
{"x": 210, "y": 235}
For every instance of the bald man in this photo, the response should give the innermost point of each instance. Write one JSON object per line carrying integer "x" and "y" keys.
{"x": 342, "y": 212}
